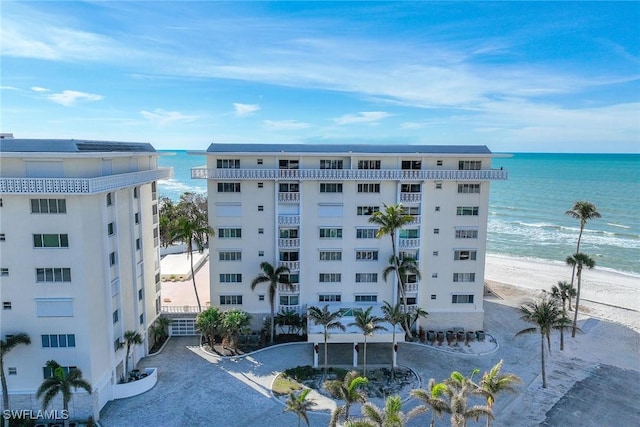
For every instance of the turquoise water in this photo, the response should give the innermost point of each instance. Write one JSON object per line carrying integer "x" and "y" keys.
{"x": 526, "y": 213}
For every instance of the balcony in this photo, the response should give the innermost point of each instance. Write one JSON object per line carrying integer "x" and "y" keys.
{"x": 81, "y": 185}
{"x": 411, "y": 287}
{"x": 294, "y": 308}
{"x": 288, "y": 219}
{"x": 294, "y": 288}
{"x": 291, "y": 265}
{"x": 409, "y": 243}
{"x": 288, "y": 243}
{"x": 289, "y": 197}
{"x": 410, "y": 197}
{"x": 416, "y": 219}
{"x": 351, "y": 174}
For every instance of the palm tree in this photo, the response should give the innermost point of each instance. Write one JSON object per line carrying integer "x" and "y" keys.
{"x": 545, "y": 314}
{"x": 291, "y": 320}
{"x": 209, "y": 324}
{"x": 160, "y": 328}
{"x": 579, "y": 261}
{"x": 390, "y": 416}
{"x": 584, "y": 211}
{"x": 458, "y": 389}
{"x": 61, "y": 383}
{"x": 368, "y": 324}
{"x": 393, "y": 314}
{"x": 329, "y": 321}
{"x": 563, "y": 291}
{"x": 389, "y": 221}
{"x": 5, "y": 347}
{"x": 131, "y": 338}
{"x": 299, "y": 405}
{"x": 272, "y": 276}
{"x": 349, "y": 390}
{"x": 432, "y": 398}
{"x": 235, "y": 322}
{"x": 494, "y": 383}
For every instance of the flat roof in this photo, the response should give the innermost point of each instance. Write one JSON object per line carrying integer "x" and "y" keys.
{"x": 19, "y": 145}
{"x": 348, "y": 148}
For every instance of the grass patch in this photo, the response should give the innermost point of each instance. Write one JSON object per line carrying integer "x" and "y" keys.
{"x": 285, "y": 385}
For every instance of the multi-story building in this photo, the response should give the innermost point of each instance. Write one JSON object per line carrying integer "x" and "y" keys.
{"x": 308, "y": 207}
{"x": 79, "y": 256}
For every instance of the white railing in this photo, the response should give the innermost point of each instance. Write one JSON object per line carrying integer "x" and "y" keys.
{"x": 296, "y": 308}
{"x": 289, "y": 197}
{"x": 293, "y": 288}
{"x": 410, "y": 309}
{"x": 291, "y": 265}
{"x": 409, "y": 243}
{"x": 351, "y": 174}
{"x": 288, "y": 219}
{"x": 288, "y": 243}
{"x": 179, "y": 309}
{"x": 411, "y": 287}
{"x": 411, "y": 197}
{"x": 80, "y": 185}
{"x": 415, "y": 221}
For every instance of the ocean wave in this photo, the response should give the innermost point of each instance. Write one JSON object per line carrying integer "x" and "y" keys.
{"x": 618, "y": 225}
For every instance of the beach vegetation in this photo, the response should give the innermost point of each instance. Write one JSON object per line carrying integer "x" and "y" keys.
{"x": 563, "y": 291}
{"x": 583, "y": 211}
{"x": 209, "y": 324}
{"x": 160, "y": 329}
{"x": 299, "y": 405}
{"x": 368, "y": 325}
{"x": 393, "y": 315}
{"x": 61, "y": 382}
{"x": 290, "y": 322}
{"x": 329, "y": 321}
{"x": 495, "y": 383}
{"x": 11, "y": 342}
{"x": 389, "y": 416}
{"x": 235, "y": 322}
{"x": 579, "y": 261}
{"x": 272, "y": 276}
{"x": 131, "y": 339}
{"x": 389, "y": 221}
{"x": 350, "y": 390}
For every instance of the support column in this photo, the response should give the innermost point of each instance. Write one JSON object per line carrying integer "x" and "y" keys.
{"x": 355, "y": 354}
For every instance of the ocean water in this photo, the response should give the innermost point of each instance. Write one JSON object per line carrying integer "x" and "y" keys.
{"x": 526, "y": 212}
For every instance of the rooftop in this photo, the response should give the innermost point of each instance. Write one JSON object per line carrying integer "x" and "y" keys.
{"x": 348, "y": 148}
{"x": 11, "y": 145}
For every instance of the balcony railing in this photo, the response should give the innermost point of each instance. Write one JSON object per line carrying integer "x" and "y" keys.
{"x": 294, "y": 288}
{"x": 295, "y": 308}
{"x": 81, "y": 185}
{"x": 409, "y": 243}
{"x": 288, "y": 219}
{"x": 180, "y": 309}
{"x": 411, "y": 197}
{"x": 416, "y": 220}
{"x": 411, "y": 287}
{"x": 351, "y": 174}
{"x": 289, "y": 197}
{"x": 291, "y": 265}
{"x": 288, "y": 243}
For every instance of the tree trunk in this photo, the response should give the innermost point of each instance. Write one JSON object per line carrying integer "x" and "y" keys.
{"x": 5, "y": 392}
{"x": 575, "y": 314}
{"x": 65, "y": 405}
{"x": 573, "y": 270}
{"x": 544, "y": 374}
{"x": 273, "y": 317}
{"x": 403, "y": 296}
{"x": 193, "y": 277}
{"x": 325, "y": 354}
{"x": 364, "y": 362}
{"x": 564, "y": 315}
{"x": 393, "y": 353}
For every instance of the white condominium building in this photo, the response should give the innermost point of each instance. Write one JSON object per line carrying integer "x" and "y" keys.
{"x": 79, "y": 261}
{"x": 308, "y": 207}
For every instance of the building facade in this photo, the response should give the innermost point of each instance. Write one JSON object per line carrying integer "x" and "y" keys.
{"x": 79, "y": 253}
{"x": 308, "y": 207}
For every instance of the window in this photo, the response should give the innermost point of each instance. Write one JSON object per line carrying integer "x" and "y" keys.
{"x": 260, "y": 230}
{"x": 140, "y": 294}
{"x": 291, "y": 278}
{"x": 135, "y": 192}
{"x": 112, "y": 258}
{"x": 288, "y": 233}
{"x": 228, "y": 163}
{"x": 141, "y": 317}
{"x": 138, "y": 244}
{"x": 366, "y": 298}
{"x": 289, "y": 300}
{"x": 51, "y": 240}
{"x": 53, "y": 274}
{"x": 6, "y": 305}
{"x": 466, "y": 234}
{"x": 433, "y": 296}
{"x": 109, "y": 199}
{"x": 230, "y": 299}
{"x": 12, "y": 371}
{"x": 369, "y": 188}
{"x": 330, "y": 278}
{"x": 436, "y": 231}
{"x": 411, "y": 164}
{"x": 410, "y": 188}
{"x": 411, "y": 233}
{"x": 368, "y": 164}
{"x": 330, "y": 255}
{"x": 366, "y": 233}
{"x": 469, "y": 165}
{"x": 47, "y": 373}
{"x": 366, "y": 277}
{"x": 2, "y": 237}
{"x": 110, "y": 229}
{"x": 229, "y": 233}
{"x": 260, "y": 253}
{"x": 434, "y": 275}
{"x": 329, "y": 298}
{"x": 58, "y": 340}
{"x": 289, "y": 256}
{"x": 117, "y": 345}
{"x": 288, "y": 164}
{"x": 330, "y": 187}
{"x": 4, "y": 272}
{"x": 465, "y": 255}
{"x": 154, "y": 209}
{"x": 367, "y": 210}
{"x": 0, "y": 203}
{"x": 438, "y": 186}
{"x": 412, "y": 300}
{"x": 259, "y": 161}
{"x": 462, "y": 299}
{"x": 136, "y": 217}
{"x": 261, "y": 297}
{"x": 438, "y": 162}
{"x": 115, "y": 316}
{"x": 228, "y": 187}
{"x": 230, "y": 256}
{"x": 437, "y": 208}
{"x": 260, "y": 208}
{"x": 261, "y": 185}
{"x": 330, "y": 164}
{"x": 366, "y": 255}
{"x": 230, "y": 278}
{"x": 468, "y": 188}
{"x": 331, "y": 233}
{"x": 408, "y": 254}
{"x": 464, "y": 277}
{"x": 48, "y": 206}
{"x": 436, "y": 253}
{"x": 467, "y": 210}
{"x": 289, "y": 187}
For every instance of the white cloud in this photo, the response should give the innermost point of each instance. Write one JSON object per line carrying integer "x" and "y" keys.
{"x": 286, "y": 124}
{"x": 39, "y": 89}
{"x": 362, "y": 117}
{"x": 70, "y": 97}
{"x": 162, "y": 117}
{"x": 8, "y": 88}
{"x": 245, "y": 109}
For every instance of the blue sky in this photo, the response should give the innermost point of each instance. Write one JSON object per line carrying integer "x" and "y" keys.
{"x": 515, "y": 76}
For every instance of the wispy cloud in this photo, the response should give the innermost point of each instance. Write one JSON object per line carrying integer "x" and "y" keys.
{"x": 245, "y": 109}
{"x": 163, "y": 118}
{"x": 286, "y": 124}
{"x": 362, "y": 117}
{"x": 70, "y": 97}
{"x": 39, "y": 89}
{"x": 8, "y": 88}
